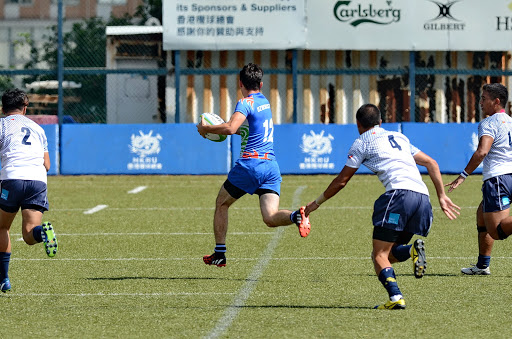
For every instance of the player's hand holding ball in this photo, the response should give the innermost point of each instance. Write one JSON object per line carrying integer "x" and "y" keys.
{"x": 210, "y": 119}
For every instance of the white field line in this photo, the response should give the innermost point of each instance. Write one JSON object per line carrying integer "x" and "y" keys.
{"x": 369, "y": 207}
{"x": 137, "y": 189}
{"x": 149, "y": 234}
{"x": 95, "y": 209}
{"x": 232, "y": 311}
{"x": 113, "y": 294}
{"x": 238, "y": 259}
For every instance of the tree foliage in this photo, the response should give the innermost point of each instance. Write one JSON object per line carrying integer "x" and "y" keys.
{"x": 84, "y": 46}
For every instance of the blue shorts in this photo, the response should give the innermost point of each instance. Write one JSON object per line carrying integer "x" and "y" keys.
{"x": 496, "y": 193}
{"x": 403, "y": 211}
{"x": 251, "y": 175}
{"x": 27, "y": 194}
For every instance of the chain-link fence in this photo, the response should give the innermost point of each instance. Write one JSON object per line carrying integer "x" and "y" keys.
{"x": 115, "y": 72}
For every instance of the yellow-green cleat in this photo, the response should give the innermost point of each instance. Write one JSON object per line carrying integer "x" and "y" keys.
{"x": 419, "y": 261}
{"x": 49, "y": 239}
{"x": 392, "y": 305}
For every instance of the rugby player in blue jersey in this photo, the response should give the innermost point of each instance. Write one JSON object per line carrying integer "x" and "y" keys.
{"x": 256, "y": 171}
{"x": 404, "y": 209}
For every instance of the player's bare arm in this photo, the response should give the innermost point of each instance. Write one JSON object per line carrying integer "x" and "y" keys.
{"x": 228, "y": 128}
{"x": 449, "y": 208}
{"x": 484, "y": 145}
{"x": 334, "y": 187}
{"x": 46, "y": 161}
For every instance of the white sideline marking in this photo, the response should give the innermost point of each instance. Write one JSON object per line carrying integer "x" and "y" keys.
{"x": 137, "y": 189}
{"x": 111, "y": 294}
{"x": 369, "y": 207}
{"x": 95, "y": 209}
{"x": 250, "y": 283}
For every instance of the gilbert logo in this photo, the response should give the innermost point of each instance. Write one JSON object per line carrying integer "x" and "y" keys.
{"x": 444, "y": 20}
{"x": 357, "y": 14}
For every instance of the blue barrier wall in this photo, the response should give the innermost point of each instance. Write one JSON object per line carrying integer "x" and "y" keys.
{"x": 52, "y": 135}
{"x": 140, "y": 149}
{"x": 451, "y": 145}
{"x": 312, "y": 149}
{"x": 179, "y": 149}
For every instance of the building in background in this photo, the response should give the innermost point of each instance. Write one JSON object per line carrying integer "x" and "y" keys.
{"x": 20, "y": 19}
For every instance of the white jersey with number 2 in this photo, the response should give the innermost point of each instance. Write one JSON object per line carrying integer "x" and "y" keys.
{"x": 390, "y": 156}
{"x": 22, "y": 146}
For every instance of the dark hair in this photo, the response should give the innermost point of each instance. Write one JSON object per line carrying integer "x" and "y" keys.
{"x": 368, "y": 115}
{"x": 14, "y": 99}
{"x": 499, "y": 91}
{"x": 251, "y": 76}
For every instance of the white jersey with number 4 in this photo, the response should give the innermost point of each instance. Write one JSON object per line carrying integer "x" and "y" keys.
{"x": 499, "y": 159}
{"x": 390, "y": 156}
{"x": 22, "y": 147}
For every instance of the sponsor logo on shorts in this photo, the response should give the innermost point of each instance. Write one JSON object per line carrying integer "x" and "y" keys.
{"x": 393, "y": 218}
{"x": 5, "y": 194}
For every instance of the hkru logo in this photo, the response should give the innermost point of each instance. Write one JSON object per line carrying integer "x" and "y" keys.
{"x": 317, "y": 146}
{"x": 361, "y": 14}
{"x": 446, "y": 17}
{"x": 145, "y": 145}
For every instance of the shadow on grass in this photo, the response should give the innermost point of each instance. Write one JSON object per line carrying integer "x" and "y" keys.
{"x": 336, "y": 307}
{"x": 160, "y": 278}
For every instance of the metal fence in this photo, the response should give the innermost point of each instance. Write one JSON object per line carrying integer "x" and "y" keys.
{"x": 75, "y": 72}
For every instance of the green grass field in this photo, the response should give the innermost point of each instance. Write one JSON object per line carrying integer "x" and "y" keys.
{"x": 134, "y": 268}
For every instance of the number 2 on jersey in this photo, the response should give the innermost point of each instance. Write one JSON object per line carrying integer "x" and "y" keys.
{"x": 269, "y": 131}
{"x": 27, "y": 135}
{"x": 393, "y": 142}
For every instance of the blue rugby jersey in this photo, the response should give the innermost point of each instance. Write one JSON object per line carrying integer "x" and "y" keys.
{"x": 257, "y": 132}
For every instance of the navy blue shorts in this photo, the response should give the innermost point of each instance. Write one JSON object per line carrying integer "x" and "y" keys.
{"x": 496, "y": 193}
{"x": 27, "y": 194}
{"x": 403, "y": 211}
{"x": 251, "y": 175}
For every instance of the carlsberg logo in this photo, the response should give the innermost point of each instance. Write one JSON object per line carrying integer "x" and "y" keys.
{"x": 365, "y": 13}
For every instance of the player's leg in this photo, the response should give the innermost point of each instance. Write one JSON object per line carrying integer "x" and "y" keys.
{"x": 269, "y": 189}
{"x": 386, "y": 221}
{"x": 269, "y": 206}
{"x": 498, "y": 224}
{"x": 33, "y": 206}
{"x": 6, "y": 219}
{"x": 227, "y": 195}
{"x": 485, "y": 244}
{"x": 384, "y": 270}
{"x": 497, "y": 192}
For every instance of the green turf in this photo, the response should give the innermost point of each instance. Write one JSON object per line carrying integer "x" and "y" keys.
{"x": 134, "y": 269}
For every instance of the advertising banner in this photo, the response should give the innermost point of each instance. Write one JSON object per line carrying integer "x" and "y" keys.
{"x": 140, "y": 149}
{"x": 419, "y": 25}
{"x": 313, "y": 149}
{"x": 233, "y": 24}
{"x": 451, "y": 145}
{"x": 409, "y": 25}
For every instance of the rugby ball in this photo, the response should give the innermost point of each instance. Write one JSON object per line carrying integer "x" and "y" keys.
{"x": 213, "y": 119}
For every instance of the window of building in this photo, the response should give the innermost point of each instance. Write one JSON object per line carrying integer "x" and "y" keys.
{"x": 112, "y": 2}
{"x": 67, "y": 2}
{"x": 21, "y": 2}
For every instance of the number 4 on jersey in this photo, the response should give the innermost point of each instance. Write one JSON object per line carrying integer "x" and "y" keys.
{"x": 393, "y": 143}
